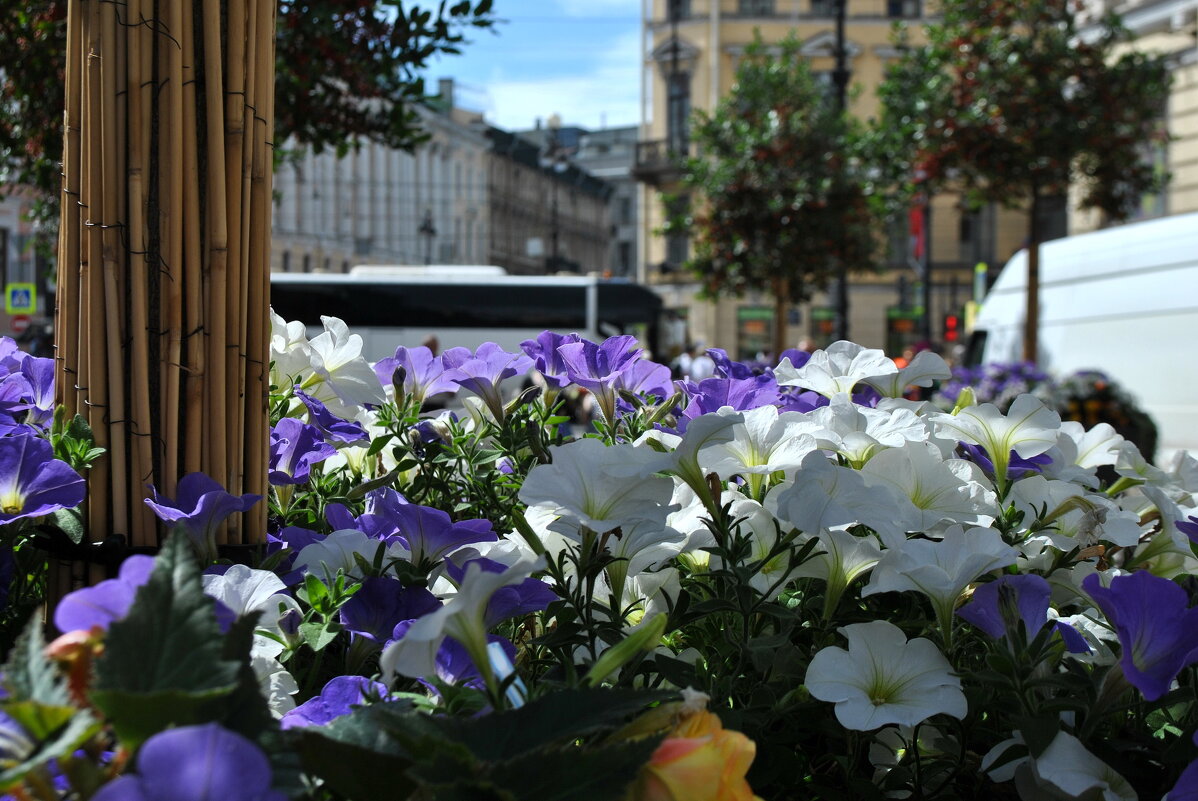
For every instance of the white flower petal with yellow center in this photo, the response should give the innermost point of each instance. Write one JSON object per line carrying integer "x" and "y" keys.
{"x": 944, "y": 491}
{"x": 341, "y": 378}
{"x": 599, "y": 486}
{"x": 1029, "y": 428}
{"x": 824, "y": 495}
{"x": 858, "y": 432}
{"x": 941, "y": 569}
{"x": 1077, "y": 518}
{"x": 838, "y": 368}
{"x": 925, "y": 368}
{"x": 883, "y": 678}
{"x": 765, "y": 441}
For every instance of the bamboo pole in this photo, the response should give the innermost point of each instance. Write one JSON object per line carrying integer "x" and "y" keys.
{"x": 163, "y": 335}
{"x": 217, "y": 236}
{"x": 112, "y": 411}
{"x": 259, "y": 295}
{"x": 171, "y": 144}
{"x": 67, "y": 295}
{"x": 96, "y": 378}
{"x": 235, "y": 81}
{"x": 139, "y": 78}
{"x": 195, "y": 370}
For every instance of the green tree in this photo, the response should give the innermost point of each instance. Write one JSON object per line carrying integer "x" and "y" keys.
{"x": 780, "y": 201}
{"x": 347, "y": 70}
{"x": 1010, "y": 103}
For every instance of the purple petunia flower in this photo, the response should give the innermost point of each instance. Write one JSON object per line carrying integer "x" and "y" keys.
{"x": 33, "y": 482}
{"x": 339, "y": 697}
{"x": 430, "y": 533}
{"x": 454, "y": 665}
{"x": 513, "y": 600}
{"x": 105, "y": 602}
{"x": 545, "y": 357}
{"x": 742, "y": 394}
{"x": 294, "y": 447}
{"x": 346, "y": 432}
{"x": 482, "y": 374}
{"x": 1189, "y": 527}
{"x": 196, "y": 763}
{"x": 380, "y": 604}
{"x": 201, "y": 505}
{"x": 598, "y": 367}
{"x": 1017, "y": 466}
{"x": 644, "y": 377}
{"x": 423, "y": 373}
{"x": 1025, "y": 596}
{"x": 1158, "y": 634}
{"x": 1186, "y": 788}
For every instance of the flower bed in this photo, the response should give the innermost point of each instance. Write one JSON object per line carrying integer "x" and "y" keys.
{"x": 798, "y": 576}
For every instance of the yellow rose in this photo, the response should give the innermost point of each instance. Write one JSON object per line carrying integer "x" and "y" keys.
{"x": 699, "y": 760}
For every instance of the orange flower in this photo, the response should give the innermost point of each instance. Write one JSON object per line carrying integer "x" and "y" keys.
{"x": 699, "y": 760}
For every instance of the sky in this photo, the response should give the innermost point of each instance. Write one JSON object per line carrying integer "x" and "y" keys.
{"x": 579, "y": 59}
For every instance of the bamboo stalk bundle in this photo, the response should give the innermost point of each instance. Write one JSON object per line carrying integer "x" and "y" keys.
{"x": 163, "y": 254}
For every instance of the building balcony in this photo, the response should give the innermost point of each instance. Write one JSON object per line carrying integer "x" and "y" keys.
{"x": 659, "y": 161}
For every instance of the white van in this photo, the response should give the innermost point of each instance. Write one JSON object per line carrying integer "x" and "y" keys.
{"x": 1123, "y": 300}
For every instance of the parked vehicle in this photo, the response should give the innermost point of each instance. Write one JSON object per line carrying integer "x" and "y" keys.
{"x": 465, "y": 306}
{"x": 1123, "y": 300}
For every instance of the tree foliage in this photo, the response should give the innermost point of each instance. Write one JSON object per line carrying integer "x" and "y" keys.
{"x": 781, "y": 199}
{"x": 1009, "y": 97}
{"x": 347, "y": 70}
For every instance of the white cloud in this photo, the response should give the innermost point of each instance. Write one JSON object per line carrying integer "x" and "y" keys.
{"x": 608, "y": 93}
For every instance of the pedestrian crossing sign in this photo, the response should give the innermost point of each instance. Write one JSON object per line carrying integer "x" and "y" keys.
{"x": 20, "y": 298}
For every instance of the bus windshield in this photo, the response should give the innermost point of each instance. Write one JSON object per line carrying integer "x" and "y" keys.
{"x": 389, "y": 310}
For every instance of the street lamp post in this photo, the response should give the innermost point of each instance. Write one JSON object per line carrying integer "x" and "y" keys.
{"x": 553, "y": 159}
{"x": 840, "y": 79}
{"x": 428, "y": 232}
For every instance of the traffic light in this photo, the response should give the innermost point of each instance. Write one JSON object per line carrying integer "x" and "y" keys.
{"x": 952, "y": 327}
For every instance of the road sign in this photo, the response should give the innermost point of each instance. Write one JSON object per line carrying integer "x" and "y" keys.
{"x": 20, "y": 323}
{"x": 20, "y": 298}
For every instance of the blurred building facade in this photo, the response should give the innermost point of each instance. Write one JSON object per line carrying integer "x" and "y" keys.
{"x": 1168, "y": 28}
{"x": 692, "y": 51}
{"x": 547, "y": 214}
{"x": 610, "y": 155}
{"x": 379, "y": 205}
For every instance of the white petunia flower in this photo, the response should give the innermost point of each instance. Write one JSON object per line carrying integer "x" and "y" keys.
{"x": 340, "y": 377}
{"x": 884, "y": 678}
{"x": 1079, "y": 451}
{"x": 246, "y": 591}
{"x": 944, "y": 491}
{"x": 824, "y": 495}
{"x": 462, "y": 617}
{"x": 289, "y": 351}
{"x": 845, "y": 558}
{"x": 925, "y": 368}
{"x": 1029, "y": 428}
{"x": 941, "y": 569}
{"x": 336, "y": 552}
{"x": 1078, "y": 518}
{"x": 838, "y": 368}
{"x": 599, "y": 486}
{"x": 1067, "y": 766}
{"x": 858, "y": 432}
{"x": 764, "y": 442}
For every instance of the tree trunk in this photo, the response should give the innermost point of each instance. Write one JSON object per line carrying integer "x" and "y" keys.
{"x": 1031, "y": 323}
{"x": 781, "y": 304}
{"x": 161, "y": 325}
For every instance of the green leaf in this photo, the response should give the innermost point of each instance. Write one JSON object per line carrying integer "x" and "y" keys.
{"x": 164, "y": 663}
{"x": 558, "y": 717}
{"x": 70, "y": 521}
{"x": 29, "y": 674}
{"x": 319, "y": 635}
{"x": 64, "y": 740}
{"x": 382, "y": 481}
{"x": 596, "y": 774}
{"x": 356, "y": 755}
